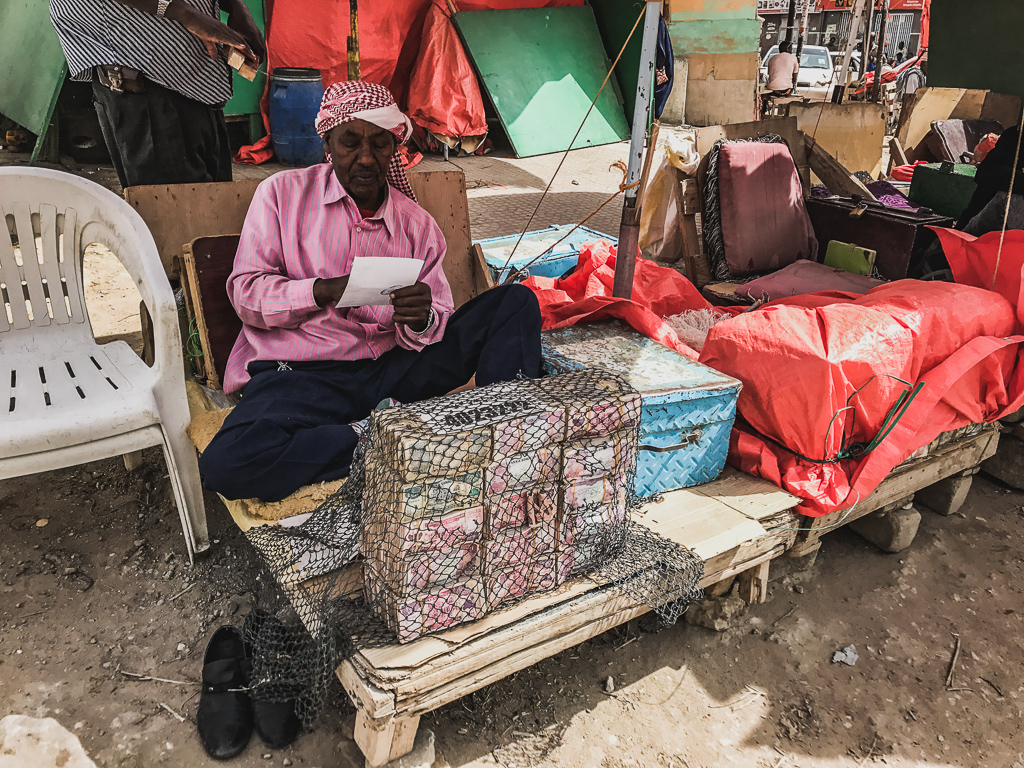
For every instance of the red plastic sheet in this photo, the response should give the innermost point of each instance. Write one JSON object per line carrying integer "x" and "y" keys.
{"x": 803, "y": 360}
{"x": 586, "y": 295}
{"x": 314, "y": 33}
{"x": 444, "y": 96}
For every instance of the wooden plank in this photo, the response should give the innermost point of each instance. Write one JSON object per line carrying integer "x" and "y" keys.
{"x": 832, "y": 173}
{"x": 753, "y": 496}
{"x": 374, "y": 738}
{"x": 208, "y": 263}
{"x": 958, "y": 456}
{"x": 377, "y": 702}
{"x": 896, "y": 154}
{"x": 483, "y": 272}
{"x": 443, "y": 195}
{"x": 701, "y": 524}
{"x": 179, "y": 213}
{"x": 754, "y": 584}
{"x": 405, "y": 737}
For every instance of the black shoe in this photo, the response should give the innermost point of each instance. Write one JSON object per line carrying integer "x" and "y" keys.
{"x": 224, "y": 717}
{"x": 275, "y": 721}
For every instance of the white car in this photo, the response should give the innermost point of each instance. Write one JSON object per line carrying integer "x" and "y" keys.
{"x": 816, "y": 66}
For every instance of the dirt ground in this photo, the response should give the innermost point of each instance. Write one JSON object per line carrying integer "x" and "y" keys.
{"x": 95, "y": 591}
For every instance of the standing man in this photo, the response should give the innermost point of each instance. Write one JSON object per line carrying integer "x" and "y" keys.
{"x": 159, "y": 80}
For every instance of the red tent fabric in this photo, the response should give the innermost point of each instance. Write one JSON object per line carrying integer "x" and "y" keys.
{"x": 586, "y": 295}
{"x": 314, "y": 33}
{"x": 803, "y": 360}
{"x": 444, "y": 96}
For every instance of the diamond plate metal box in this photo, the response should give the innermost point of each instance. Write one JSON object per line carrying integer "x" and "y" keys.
{"x": 688, "y": 408}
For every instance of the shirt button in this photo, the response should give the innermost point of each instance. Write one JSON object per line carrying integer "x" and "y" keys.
{"x": 359, "y": 229}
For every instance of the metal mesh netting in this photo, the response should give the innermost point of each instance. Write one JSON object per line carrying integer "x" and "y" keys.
{"x": 459, "y": 505}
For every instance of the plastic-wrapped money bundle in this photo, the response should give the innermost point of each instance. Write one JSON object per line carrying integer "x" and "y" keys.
{"x": 485, "y": 496}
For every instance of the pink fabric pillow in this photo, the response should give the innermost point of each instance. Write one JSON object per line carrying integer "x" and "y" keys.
{"x": 765, "y": 225}
{"x": 806, "y": 277}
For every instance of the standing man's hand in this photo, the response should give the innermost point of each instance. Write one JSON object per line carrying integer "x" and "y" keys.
{"x": 240, "y": 19}
{"x": 211, "y": 31}
{"x": 412, "y": 306}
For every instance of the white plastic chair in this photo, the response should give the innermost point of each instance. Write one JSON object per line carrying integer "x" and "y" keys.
{"x": 71, "y": 400}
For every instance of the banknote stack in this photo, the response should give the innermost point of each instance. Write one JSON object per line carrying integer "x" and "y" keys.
{"x": 480, "y": 498}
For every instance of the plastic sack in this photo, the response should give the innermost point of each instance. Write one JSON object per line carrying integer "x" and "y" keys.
{"x": 586, "y": 295}
{"x": 660, "y": 234}
{"x": 824, "y": 374}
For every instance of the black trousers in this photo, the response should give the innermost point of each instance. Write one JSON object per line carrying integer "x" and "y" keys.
{"x": 161, "y": 137}
{"x": 291, "y": 427}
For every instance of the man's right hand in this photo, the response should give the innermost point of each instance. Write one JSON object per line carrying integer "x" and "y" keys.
{"x": 208, "y": 29}
{"x": 328, "y": 291}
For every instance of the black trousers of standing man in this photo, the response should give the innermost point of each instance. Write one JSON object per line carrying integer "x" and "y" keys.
{"x": 159, "y": 136}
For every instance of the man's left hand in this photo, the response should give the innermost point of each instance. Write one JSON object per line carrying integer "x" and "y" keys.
{"x": 412, "y": 306}
{"x": 240, "y": 19}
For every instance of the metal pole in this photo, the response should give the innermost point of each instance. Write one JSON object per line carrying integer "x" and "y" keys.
{"x": 876, "y": 86}
{"x": 791, "y": 20}
{"x": 865, "y": 52}
{"x": 629, "y": 229}
{"x": 800, "y": 36}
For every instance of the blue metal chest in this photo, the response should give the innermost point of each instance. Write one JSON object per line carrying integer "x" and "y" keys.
{"x": 688, "y": 408}
{"x": 557, "y": 259}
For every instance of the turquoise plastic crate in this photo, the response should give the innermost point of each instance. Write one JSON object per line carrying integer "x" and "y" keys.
{"x": 555, "y": 264}
{"x": 688, "y": 408}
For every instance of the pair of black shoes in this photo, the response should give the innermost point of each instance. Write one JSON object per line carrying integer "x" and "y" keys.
{"x": 227, "y": 715}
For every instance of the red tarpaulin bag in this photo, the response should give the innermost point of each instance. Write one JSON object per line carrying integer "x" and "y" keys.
{"x": 839, "y": 390}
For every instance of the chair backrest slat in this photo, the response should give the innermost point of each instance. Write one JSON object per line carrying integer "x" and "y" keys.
{"x": 10, "y": 276}
{"x": 30, "y": 264}
{"x": 71, "y": 267}
{"x": 51, "y": 263}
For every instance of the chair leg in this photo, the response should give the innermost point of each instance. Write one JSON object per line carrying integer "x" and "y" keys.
{"x": 183, "y": 468}
{"x": 133, "y": 460}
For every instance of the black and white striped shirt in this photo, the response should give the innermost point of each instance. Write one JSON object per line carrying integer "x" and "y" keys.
{"x": 96, "y": 32}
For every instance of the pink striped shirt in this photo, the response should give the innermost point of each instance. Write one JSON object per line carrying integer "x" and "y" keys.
{"x": 303, "y": 225}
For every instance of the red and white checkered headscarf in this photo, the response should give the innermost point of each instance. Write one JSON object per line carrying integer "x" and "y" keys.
{"x": 356, "y": 100}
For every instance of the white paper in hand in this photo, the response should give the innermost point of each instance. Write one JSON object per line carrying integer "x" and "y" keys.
{"x": 373, "y": 278}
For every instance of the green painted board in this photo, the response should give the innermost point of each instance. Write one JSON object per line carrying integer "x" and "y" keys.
{"x": 245, "y": 96}
{"x": 541, "y": 67}
{"x": 32, "y": 64}
{"x": 615, "y": 18}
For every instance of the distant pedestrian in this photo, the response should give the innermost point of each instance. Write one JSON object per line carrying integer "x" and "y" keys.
{"x": 782, "y": 70}
{"x": 901, "y": 54}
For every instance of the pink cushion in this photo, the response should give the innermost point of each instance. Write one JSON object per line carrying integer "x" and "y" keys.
{"x": 765, "y": 225}
{"x": 806, "y": 277}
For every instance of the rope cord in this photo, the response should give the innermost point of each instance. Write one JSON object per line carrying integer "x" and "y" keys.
{"x": 622, "y": 188}
{"x": 1006, "y": 213}
{"x": 576, "y": 136}
{"x": 860, "y": 450}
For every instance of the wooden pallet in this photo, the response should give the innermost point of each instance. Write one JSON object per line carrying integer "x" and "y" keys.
{"x": 737, "y": 524}
{"x": 946, "y": 457}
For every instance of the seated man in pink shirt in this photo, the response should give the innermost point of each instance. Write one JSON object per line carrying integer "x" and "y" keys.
{"x": 311, "y": 371}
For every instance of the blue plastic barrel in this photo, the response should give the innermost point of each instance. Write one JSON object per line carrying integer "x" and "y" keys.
{"x": 295, "y": 95}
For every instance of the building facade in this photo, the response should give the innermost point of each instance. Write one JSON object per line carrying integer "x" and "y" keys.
{"x": 828, "y": 23}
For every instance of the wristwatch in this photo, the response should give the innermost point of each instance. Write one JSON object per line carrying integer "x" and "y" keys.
{"x": 431, "y": 318}
{"x": 161, "y": 7}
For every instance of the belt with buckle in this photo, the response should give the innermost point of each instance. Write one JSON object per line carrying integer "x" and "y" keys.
{"x": 120, "y": 79}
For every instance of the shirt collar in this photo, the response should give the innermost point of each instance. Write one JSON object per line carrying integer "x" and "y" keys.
{"x": 334, "y": 192}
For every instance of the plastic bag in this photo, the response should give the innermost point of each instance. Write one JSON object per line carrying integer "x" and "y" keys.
{"x": 660, "y": 235}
